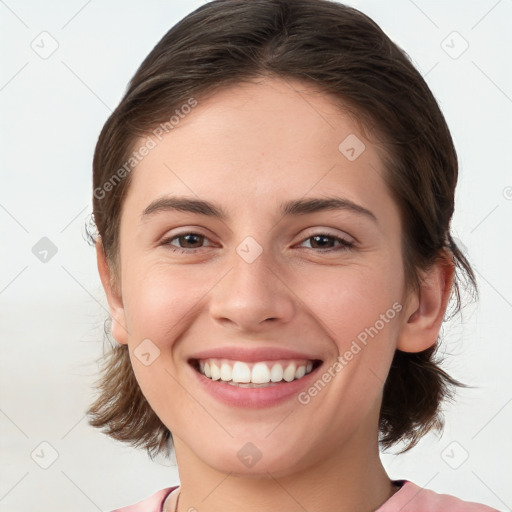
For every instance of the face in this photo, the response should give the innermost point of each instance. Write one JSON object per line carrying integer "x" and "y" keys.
{"x": 316, "y": 287}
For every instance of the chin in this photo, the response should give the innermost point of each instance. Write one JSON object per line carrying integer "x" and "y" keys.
{"x": 257, "y": 459}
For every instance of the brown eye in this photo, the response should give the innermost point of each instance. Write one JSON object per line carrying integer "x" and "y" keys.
{"x": 325, "y": 241}
{"x": 186, "y": 242}
{"x": 190, "y": 239}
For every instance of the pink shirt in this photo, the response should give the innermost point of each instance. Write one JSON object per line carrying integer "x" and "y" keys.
{"x": 409, "y": 498}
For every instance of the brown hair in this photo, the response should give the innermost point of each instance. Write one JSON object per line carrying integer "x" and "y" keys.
{"x": 344, "y": 54}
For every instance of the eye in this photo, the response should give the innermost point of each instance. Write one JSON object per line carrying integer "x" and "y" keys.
{"x": 322, "y": 240}
{"x": 194, "y": 241}
{"x": 186, "y": 238}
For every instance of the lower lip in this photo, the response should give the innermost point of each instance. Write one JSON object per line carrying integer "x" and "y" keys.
{"x": 254, "y": 397}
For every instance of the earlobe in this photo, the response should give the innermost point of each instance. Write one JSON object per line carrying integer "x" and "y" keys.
{"x": 119, "y": 331}
{"x": 425, "y": 312}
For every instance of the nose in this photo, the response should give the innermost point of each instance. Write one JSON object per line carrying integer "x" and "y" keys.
{"x": 253, "y": 296}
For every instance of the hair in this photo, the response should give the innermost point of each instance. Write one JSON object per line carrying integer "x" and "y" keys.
{"x": 345, "y": 54}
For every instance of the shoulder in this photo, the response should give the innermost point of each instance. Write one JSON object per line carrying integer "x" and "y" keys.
{"x": 152, "y": 504}
{"x": 413, "y": 498}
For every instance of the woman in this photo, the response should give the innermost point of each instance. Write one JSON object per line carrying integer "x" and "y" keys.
{"x": 273, "y": 198}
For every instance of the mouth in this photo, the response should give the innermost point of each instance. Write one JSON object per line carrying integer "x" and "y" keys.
{"x": 256, "y": 374}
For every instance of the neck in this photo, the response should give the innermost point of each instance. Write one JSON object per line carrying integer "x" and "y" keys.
{"x": 351, "y": 478}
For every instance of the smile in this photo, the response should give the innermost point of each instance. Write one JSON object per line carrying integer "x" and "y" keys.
{"x": 254, "y": 374}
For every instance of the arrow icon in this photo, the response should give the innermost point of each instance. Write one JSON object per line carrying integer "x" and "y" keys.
{"x": 454, "y": 455}
{"x": 249, "y": 249}
{"x": 44, "y": 250}
{"x": 146, "y": 352}
{"x": 44, "y": 44}
{"x": 249, "y": 455}
{"x": 44, "y": 455}
{"x": 454, "y": 45}
{"x": 351, "y": 147}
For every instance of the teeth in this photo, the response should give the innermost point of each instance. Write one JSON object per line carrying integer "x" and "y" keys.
{"x": 241, "y": 372}
{"x": 276, "y": 374}
{"x": 289, "y": 373}
{"x": 260, "y": 373}
{"x": 225, "y": 372}
{"x": 215, "y": 370}
{"x": 246, "y": 374}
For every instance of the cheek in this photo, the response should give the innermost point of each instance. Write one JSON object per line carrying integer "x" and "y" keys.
{"x": 348, "y": 300}
{"x": 161, "y": 300}
{"x": 160, "y": 305}
{"x": 359, "y": 310}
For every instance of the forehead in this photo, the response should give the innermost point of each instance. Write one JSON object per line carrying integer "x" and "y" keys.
{"x": 250, "y": 144}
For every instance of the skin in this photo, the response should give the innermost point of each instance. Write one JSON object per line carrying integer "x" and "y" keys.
{"x": 249, "y": 148}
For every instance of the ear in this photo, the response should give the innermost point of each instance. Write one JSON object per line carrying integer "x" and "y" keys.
{"x": 114, "y": 298}
{"x": 426, "y": 308}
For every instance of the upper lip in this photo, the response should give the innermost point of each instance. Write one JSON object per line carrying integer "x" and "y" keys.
{"x": 252, "y": 354}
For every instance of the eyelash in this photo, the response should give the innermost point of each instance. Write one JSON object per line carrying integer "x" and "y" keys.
{"x": 345, "y": 244}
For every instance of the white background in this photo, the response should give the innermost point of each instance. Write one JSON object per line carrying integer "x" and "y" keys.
{"x": 52, "y": 314}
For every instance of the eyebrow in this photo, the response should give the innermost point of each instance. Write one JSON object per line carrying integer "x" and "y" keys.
{"x": 294, "y": 207}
